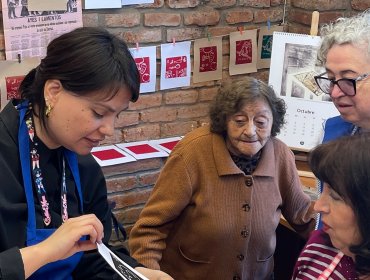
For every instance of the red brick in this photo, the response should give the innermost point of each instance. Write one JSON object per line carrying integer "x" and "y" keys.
{"x": 360, "y": 5}
{"x": 141, "y": 132}
{"x": 127, "y": 118}
{"x": 276, "y": 2}
{"x": 221, "y": 3}
{"x": 147, "y": 101}
{"x": 122, "y": 184}
{"x": 130, "y": 198}
{"x": 129, "y": 18}
{"x": 180, "y": 4}
{"x": 162, "y": 19}
{"x": 233, "y": 17}
{"x": 320, "y": 5}
{"x": 177, "y": 128}
{"x": 202, "y": 17}
{"x": 156, "y": 4}
{"x": 193, "y": 111}
{"x": 141, "y": 36}
{"x": 256, "y": 3}
{"x": 132, "y": 167}
{"x": 148, "y": 179}
{"x": 207, "y": 94}
{"x": 272, "y": 14}
{"x": 162, "y": 114}
{"x": 183, "y": 34}
{"x": 129, "y": 215}
{"x": 181, "y": 97}
{"x": 90, "y": 20}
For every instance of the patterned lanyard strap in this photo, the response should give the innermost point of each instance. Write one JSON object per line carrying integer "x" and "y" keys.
{"x": 329, "y": 270}
{"x": 38, "y": 179}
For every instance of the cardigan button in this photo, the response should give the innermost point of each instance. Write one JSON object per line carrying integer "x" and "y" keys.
{"x": 249, "y": 181}
{"x": 240, "y": 257}
{"x": 244, "y": 233}
{"x": 246, "y": 207}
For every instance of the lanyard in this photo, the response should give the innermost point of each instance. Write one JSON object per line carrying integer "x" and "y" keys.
{"x": 25, "y": 137}
{"x": 329, "y": 270}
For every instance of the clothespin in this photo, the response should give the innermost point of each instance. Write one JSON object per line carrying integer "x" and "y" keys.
{"x": 268, "y": 24}
{"x": 173, "y": 41}
{"x": 314, "y": 23}
{"x": 19, "y": 58}
{"x": 208, "y": 34}
{"x": 137, "y": 46}
{"x": 240, "y": 29}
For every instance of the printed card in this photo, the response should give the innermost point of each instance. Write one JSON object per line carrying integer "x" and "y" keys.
{"x": 110, "y": 155}
{"x": 166, "y": 144}
{"x": 119, "y": 266}
{"x": 142, "y": 150}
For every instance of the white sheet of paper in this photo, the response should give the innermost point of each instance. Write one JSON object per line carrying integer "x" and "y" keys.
{"x": 134, "y": 2}
{"x": 163, "y": 143}
{"x": 142, "y": 150}
{"x": 119, "y": 266}
{"x": 146, "y": 62}
{"x": 175, "y": 65}
{"x": 100, "y": 4}
{"x": 47, "y": 5}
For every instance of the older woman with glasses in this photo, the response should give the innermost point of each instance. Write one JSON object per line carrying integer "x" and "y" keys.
{"x": 345, "y": 54}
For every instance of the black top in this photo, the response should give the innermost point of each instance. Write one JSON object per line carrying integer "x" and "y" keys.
{"x": 13, "y": 206}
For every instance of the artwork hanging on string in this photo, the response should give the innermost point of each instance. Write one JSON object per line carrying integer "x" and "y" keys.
{"x": 265, "y": 37}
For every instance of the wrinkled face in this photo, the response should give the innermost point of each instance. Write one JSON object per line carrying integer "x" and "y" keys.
{"x": 249, "y": 129}
{"x": 339, "y": 220}
{"x": 348, "y": 61}
{"x": 79, "y": 123}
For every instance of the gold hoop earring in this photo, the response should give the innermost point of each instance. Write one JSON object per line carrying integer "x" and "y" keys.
{"x": 48, "y": 110}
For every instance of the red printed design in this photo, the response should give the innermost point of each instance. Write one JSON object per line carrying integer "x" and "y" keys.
{"x": 108, "y": 154}
{"x": 208, "y": 59}
{"x": 12, "y": 85}
{"x": 143, "y": 65}
{"x": 176, "y": 67}
{"x": 142, "y": 149}
{"x": 170, "y": 145}
{"x": 243, "y": 52}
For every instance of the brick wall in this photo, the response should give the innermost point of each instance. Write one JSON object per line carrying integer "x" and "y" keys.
{"x": 178, "y": 111}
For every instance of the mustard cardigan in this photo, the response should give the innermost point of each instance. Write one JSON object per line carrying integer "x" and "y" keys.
{"x": 205, "y": 219}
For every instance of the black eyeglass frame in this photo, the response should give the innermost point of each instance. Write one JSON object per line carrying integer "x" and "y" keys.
{"x": 336, "y": 82}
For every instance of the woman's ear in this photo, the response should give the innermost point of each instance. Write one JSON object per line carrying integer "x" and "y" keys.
{"x": 52, "y": 90}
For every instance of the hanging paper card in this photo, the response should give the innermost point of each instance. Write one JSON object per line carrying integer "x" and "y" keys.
{"x": 11, "y": 75}
{"x": 243, "y": 52}
{"x": 207, "y": 60}
{"x": 175, "y": 65}
{"x": 99, "y": 4}
{"x": 292, "y": 74}
{"x": 145, "y": 58}
{"x": 265, "y": 45}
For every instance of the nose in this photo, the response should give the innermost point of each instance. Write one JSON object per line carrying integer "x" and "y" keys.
{"x": 107, "y": 128}
{"x": 336, "y": 92}
{"x": 249, "y": 129}
{"x": 321, "y": 204}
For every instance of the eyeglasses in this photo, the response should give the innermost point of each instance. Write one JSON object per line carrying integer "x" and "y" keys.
{"x": 347, "y": 86}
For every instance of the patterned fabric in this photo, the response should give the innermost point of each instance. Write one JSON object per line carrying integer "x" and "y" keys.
{"x": 247, "y": 165}
{"x": 316, "y": 257}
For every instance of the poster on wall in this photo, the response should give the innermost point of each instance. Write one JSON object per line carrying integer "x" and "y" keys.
{"x": 243, "y": 52}
{"x": 207, "y": 60}
{"x": 146, "y": 62}
{"x": 11, "y": 75}
{"x": 292, "y": 72}
{"x": 27, "y": 33}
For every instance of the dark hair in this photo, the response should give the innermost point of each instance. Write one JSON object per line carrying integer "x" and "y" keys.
{"x": 344, "y": 164}
{"x": 85, "y": 60}
{"x": 232, "y": 96}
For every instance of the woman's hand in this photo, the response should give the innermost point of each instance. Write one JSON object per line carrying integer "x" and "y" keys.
{"x": 63, "y": 243}
{"x": 152, "y": 274}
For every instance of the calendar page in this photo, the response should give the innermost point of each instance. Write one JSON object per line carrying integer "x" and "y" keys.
{"x": 292, "y": 72}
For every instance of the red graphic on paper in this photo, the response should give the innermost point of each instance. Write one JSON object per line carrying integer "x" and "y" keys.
{"x": 143, "y": 65}
{"x": 243, "y": 52}
{"x": 208, "y": 59}
{"x": 142, "y": 149}
{"x": 170, "y": 145}
{"x": 12, "y": 85}
{"x": 176, "y": 67}
{"x": 108, "y": 154}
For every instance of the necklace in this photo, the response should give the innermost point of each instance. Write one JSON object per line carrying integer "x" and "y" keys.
{"x": 38, "y": 179}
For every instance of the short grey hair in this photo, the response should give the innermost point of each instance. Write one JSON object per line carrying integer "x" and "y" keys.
{"x": 353, "y": 30}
